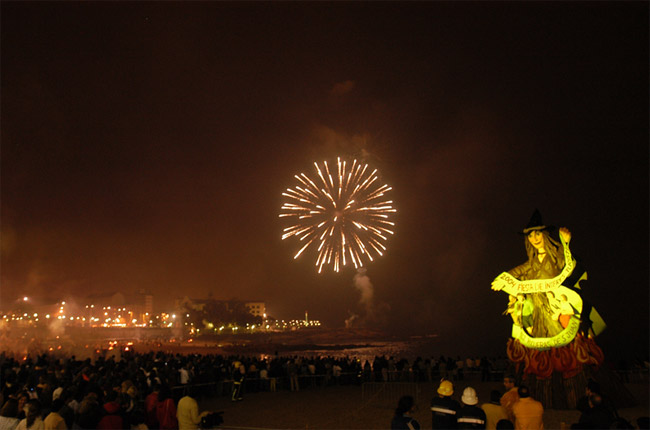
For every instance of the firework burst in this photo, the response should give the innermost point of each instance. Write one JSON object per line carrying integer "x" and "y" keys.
{"x": 343, "y": 213}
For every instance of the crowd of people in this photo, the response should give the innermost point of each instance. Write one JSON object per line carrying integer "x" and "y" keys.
{"x": 514, "y": 409}
{"x": 132, "y": 393}
{"x": 159, "y": 390}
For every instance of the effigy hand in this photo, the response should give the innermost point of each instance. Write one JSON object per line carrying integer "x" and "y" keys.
{"x": 565, "y": 235}
{"x": 496, "y": 285}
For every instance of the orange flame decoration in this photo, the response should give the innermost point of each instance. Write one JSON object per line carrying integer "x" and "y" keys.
{"x": 568, "y": 360}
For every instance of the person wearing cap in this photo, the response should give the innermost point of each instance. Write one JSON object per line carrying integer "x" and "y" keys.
{"x": 529, "y": 413}
{"x": 443, "y": 407}
{"x": 470, "y": 416}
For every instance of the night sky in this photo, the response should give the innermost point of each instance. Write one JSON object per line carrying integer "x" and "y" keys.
{"x": 146, "y": 145}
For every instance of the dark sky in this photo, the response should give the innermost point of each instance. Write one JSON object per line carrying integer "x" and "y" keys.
{"x": 146, "y": 145}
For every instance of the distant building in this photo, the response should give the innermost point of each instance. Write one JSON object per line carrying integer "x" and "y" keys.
{"x": 257, "y": 309}
{"x": 148, "y": 304}
{"x": 117, "y": 309}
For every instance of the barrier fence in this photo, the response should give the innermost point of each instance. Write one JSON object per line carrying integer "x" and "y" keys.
{"x": 375, "y": 384}
{"x": 382, "y": 389}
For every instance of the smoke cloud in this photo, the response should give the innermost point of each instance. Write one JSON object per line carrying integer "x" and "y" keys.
{"x": 371, "y": 313}
{"x": 363, "y": 284}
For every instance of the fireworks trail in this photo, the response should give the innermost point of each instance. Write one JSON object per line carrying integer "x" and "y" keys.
{"x": 342, "y": 211}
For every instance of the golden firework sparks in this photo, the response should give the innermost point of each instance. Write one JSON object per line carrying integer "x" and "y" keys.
{"x": 343, "y": 213}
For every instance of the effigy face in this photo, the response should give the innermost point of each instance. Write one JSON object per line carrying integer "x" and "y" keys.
{"x": 536, "y": 238}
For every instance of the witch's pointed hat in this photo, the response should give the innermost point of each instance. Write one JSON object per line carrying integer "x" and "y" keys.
{"x": 536, "y": 224}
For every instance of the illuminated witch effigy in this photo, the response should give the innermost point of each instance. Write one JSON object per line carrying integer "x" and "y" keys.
{"x": 553, "y": 326}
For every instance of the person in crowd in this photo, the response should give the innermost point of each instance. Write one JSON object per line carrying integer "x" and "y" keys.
{"x": 443, "y": 407}
{"x": 494, "y": 412}
{"x": 510, "y": 397}
{"x": 442, "y": 368}
{"x": 597, "y": 416}
{"x": 32, "y": 420}
{"x": 128, "y": 396}
{"x": 9, "y": 414}
{"x": 238, "y": 374}
{"x": 138, "y": 418}
{"x": 337, "y": 369}
{"x": 43, "y": 389}
{"x": 529, "y": 413}
{"x": 166, "y": 410}
{"x": 264, "y": 377}
{"x": 505, "y": 424}
{"x": 292, "y": 370}
{"x": 592, "y": 387}
{"x": 90, "y": 411}
{"x": 23, "y": 398}
{"x": 485, "y": 366}
{"x": 403, "y": 418}
{"x": 54, "y": 421}
{"x": 187, "y": 412}
{"x": 150, "y": 406}
{"x": 67, "y": 411}
{"x": 112, "y": 418}
{"x": 470, "y": 416}
{"x": 458, "y": 370}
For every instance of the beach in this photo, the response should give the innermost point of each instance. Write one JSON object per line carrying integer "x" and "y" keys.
{"x": 350, "y": 407}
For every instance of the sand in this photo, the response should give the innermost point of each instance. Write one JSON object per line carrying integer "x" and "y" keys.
{"x": 349, "y": 407}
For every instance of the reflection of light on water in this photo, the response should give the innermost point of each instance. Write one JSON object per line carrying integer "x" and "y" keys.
{"x": 398, "y": 349}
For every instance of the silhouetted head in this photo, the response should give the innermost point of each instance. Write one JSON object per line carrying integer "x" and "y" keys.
{"x": 404, "y": 405}
{"x": 523, "y": 392}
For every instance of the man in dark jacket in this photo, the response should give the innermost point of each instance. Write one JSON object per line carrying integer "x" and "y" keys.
{"x": 444, "y": 408}
{"x": 470, "y": 416}
{"x": 238, "y": 373}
